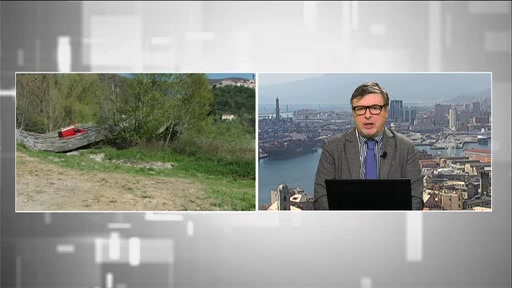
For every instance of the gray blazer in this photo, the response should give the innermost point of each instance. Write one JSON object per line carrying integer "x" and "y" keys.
{"x": 340, "y": 160}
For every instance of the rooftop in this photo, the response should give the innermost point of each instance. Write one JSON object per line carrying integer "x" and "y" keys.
{"x": 273, "y": 207}
{"x": 478, "y": 208}
{"x": 480, "y": 164}
{"x": 477, "y": 150}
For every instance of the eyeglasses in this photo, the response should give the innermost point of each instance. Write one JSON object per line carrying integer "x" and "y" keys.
{"x": 374, "y": 109}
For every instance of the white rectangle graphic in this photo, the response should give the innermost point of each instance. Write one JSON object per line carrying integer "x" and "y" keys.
{"x": 414, "y": 236}
{"x": 153, "y": 216}
{"x": 109, "y": 280}
{"x": 114, "y": 246}
{"x": 65, "y": 248}
{"x": 119, "y": 225}
{"x": 134, "y": 251}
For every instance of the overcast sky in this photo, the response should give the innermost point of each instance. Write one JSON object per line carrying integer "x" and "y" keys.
{"x": 277, "y": 78}
{"x": 338, "y": 87}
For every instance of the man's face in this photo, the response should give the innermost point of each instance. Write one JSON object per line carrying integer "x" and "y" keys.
{"x": 368, "y": 124}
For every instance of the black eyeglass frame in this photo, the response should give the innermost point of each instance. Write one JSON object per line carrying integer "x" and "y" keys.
{"x": 380, "y": 107}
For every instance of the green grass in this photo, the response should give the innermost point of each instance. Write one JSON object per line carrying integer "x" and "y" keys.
{"x": 229, "y": 195}
{"x": 229, "y": 181}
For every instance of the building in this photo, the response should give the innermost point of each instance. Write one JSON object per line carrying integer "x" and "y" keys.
{"x": 484, "y": 155}
{"x": 278, "y": 113}
{"x": 428, "y": 164}
{"x": 425, "y": 126}
{"x": 453, "y": 119}
{"x": 424, "y": 155}
{"x": 412, "y": 118}
{"x": 485, "y": 182}
{"x": 440, "y": 114}
{"x": 478, "y": 208}
{"x": 480, "y": 120}
{"x": 444, "y": 201}
{"x": 484, "y": 202}
{"x": 228, "y": 117}
{"x": 295, "y": 199}
{"x": 466, "y": 188}
{"x": 476, "y": 167}
{"x": 452, "y": 200}
{"x": 460, "y": 164}
{"x": 235, "y": 82}
{"x": 301, "y": 200}
{"x": 283, "y": 198}
{"x": 443, "y": 160}
{"x": 449, "y": 174}
{"x": 409, "y": 116}
{"x": 476, "y": 109}
{"x": 395, "y": 111}
{"x": 465, "y": 117}
{"x": 406, "y": 117}
{"x": 433, "y": 202}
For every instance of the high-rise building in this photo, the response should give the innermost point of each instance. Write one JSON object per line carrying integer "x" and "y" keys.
{"x": 406, "y": 115}
{"x": 467, "y": 107}
{"x": 409, "y": 116}
{"x": 278, "y": 116}
{"x": 412, "y": 119}
{"x": 395, "y": 110}
{"x": 476, "y": 109}
{"x": 440, "y": 114}
{"x": 453, "y": 119}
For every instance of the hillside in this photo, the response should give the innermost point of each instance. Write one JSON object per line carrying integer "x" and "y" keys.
{"x": 214, "y": 81}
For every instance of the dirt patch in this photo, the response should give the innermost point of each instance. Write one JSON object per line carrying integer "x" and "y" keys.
{"x": 46, "y": 187}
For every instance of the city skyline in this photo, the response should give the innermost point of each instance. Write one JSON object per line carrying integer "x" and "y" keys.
{"x": 457, "y": 130}
{"x": 458, "y": 133}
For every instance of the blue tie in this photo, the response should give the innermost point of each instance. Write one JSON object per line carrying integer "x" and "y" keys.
{"x": 370, "y": 161}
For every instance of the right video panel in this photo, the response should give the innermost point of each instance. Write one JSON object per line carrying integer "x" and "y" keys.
{"x": 379, "y": 141}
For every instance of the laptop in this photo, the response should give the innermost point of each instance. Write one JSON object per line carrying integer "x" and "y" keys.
{"x": 374, "y": 194}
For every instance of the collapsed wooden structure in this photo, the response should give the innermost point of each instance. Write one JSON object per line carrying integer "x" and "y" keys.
{"x": 53, "y": 143}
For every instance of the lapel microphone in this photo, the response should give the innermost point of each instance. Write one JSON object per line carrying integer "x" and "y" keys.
{"x": 384, "y": 154}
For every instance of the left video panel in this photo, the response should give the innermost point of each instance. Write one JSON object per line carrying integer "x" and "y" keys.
{"x": 94, "y": 142}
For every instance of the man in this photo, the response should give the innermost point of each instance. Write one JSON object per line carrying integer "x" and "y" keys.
{"x": 343, "y": 156}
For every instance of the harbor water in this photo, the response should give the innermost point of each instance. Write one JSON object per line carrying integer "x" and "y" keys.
{"x": 300, "y": 171}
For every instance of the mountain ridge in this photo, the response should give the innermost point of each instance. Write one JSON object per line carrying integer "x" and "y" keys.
{"x": 418, "y": 88}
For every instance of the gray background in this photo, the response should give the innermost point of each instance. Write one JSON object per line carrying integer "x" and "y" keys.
{"x": 260, "y": 249}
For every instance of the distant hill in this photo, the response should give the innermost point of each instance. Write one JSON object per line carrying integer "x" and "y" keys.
{"x": 214, "y": 81}
{"x": 424, "y": 88}
{"x": 470, "y": 97}
{"x": 211, "y": 81}
{"x": 239, "y": 101}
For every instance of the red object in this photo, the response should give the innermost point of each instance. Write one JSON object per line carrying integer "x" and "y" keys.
{"x": 71, "y": 131}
